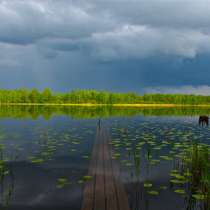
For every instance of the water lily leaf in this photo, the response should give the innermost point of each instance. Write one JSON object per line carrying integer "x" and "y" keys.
{"x": 162, "y": 187}
{"x": 147, "y": 184}
{"x": 198, "y": 196}
{"x": 153, "y": 192}
{"x": 87, "y": 178}
{"x": 62, "y": 182}
{"x": 37, "y": 161}
{"x": 180, "y": 191}
{"x": 176, "y": 181}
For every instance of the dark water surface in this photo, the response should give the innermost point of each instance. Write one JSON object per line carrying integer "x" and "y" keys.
{"x": 44, "y": 156}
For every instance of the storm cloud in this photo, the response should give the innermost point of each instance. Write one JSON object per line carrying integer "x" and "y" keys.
{"x": 38, "y": 36}
{"x": 109, "y": 30}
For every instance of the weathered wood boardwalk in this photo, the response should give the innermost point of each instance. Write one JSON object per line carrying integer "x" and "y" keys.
{"x": 104, "y": 191}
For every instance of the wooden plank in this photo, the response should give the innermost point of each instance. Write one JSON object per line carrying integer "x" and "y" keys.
{"x": 89, "y": 189}
{"x": 104, "y": 191}
{"x": 100, "y": 185}
{"x": 110, "y": 191}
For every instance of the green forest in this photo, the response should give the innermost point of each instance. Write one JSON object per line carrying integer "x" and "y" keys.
{"x": 96, "y": 97}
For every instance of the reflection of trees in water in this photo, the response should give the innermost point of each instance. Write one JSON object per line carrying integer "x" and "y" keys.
{"x": 95, "y": 111}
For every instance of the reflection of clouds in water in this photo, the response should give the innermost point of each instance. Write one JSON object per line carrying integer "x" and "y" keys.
{"x": 152, "y": 173}
{"x": 172, "y": 119}
{"x": 50, "y": 199}
{"x": 156, "y": 131}
{"x": 36, "y": 186}
{"x": 140, "y": 200}
{"x": 22, "y": 137}
{"x": 39, "y": 199}
{"x": 157, "y": 175}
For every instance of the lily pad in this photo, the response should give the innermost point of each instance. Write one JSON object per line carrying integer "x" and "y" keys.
{"x": 147, "y": 184}
{"x": 180, "y": 191}
{"x": 153, "y": 192}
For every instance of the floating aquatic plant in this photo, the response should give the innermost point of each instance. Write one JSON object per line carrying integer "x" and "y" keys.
{"x": 147, "y": 184}
{"x": 62, "y": 182}
{"x": 180, "y": 191}
{"x": 153, "y": 192}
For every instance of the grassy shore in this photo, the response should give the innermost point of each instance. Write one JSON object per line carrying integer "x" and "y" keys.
{"x": 114, "y": 105}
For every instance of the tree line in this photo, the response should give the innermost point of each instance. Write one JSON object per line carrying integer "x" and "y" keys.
{"x": 96, "y": 97}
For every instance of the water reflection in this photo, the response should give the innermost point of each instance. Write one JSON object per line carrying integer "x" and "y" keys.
{"x": 164, "y": 161}
{"x": 160, "y": 160}
{"x": 34, "y": 112}
{"x": 6, "y": 180}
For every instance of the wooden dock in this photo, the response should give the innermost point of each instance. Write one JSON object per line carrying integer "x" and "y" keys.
{"x": 105, "y": 190}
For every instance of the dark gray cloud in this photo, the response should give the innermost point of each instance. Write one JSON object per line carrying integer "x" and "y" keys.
{"x": 114, "y": 44}
{"x": 28, "y": 21}
{"x": 111, "y": 29}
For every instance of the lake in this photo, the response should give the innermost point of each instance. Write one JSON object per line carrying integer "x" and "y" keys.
{"x": 46, "y": 152}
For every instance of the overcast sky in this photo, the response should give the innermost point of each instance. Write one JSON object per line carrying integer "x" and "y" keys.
{"x": 119, "y": 45}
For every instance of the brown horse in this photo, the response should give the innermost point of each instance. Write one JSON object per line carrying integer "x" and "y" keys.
{"x": 203, "y": 120}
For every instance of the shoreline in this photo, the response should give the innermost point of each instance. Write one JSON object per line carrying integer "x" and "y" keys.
{"x": 102, "y": 105}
